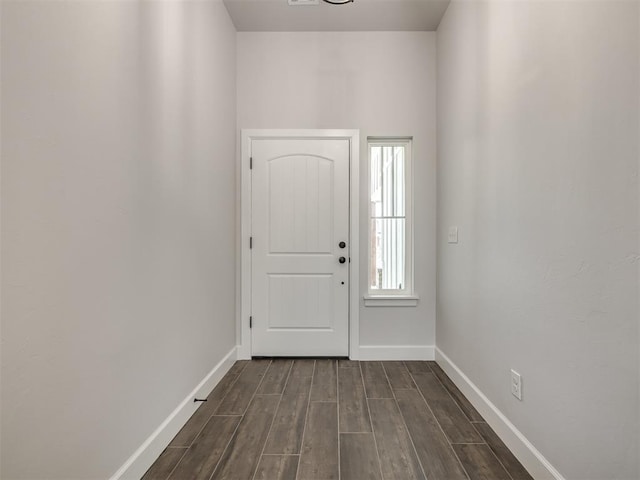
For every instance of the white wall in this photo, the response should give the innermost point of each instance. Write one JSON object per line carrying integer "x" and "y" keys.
{"x": 538, "y": 167}
{"x": 382, "y": 83}
{"x": 118, "y": 167}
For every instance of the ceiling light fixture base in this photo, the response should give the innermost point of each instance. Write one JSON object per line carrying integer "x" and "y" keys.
{"x": 298, "y": 3}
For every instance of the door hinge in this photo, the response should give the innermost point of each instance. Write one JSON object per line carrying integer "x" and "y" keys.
{"x": 250, "y": 322}
{"x": 250, "y": 163}
{"x": 250, "y": 242}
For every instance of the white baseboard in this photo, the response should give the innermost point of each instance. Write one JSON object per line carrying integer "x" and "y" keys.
{"x": 535, "y": 463}
{"x": 396, "y": 352}
{"x": 136, "y": 466}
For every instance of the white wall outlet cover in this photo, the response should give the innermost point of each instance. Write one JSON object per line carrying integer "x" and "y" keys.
{"x": 453, "y": 234}
{"x": 516, "y": 384}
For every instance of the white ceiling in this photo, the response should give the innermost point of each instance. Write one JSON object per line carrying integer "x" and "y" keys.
{"x": 361, "y": 15}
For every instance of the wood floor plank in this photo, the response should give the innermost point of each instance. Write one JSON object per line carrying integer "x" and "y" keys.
{"x": 480, "y": 462}
{"x": 464, "y": 404}
{"x": 277, "y": 467}
{"x": 352, "y": 405}
{"x": 343, "y": 363}
{"x": 241, "y": 392}
{"x": 190, "y": 431}
{"x": 418, "y": 366}
{"x": 299, "y": 381}
{"x": 375, "y": 380}
{"x": 397, "y": 456}
{"x": 358, "y": 457}
{"x": 164, "y": 465}
{"x": 303, "y": 367}
{"x": 275, "y": 378}
{"x": 434, "y": 451}
{"x": 298, "y": 386}
{"x": 508, "y": 460}
{"x": 202, "y": 457}
{"x": 455, "y": 424}
{"x": 288, "y": 426}
{"x": 319, "y": 458}
{"x": 238, "y": 367}
{"x": 324, "y": 387}
{"x": 194, "y": 425}
{"x": 241, "y": 457}
{"x": 398, "y": 375}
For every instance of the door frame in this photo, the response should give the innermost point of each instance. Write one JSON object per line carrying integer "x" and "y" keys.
{"x": 243, "y": 213}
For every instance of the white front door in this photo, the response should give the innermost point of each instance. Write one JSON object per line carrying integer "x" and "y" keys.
{"x": 300, "y": 253}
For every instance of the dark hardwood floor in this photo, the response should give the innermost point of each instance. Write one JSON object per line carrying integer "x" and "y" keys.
{"x": 336, "y": 419}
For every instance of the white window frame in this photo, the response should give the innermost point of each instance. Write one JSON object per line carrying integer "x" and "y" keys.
{"x": 405, "y": 297}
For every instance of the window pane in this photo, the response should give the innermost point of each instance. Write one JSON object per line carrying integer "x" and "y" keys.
{"x": 376, "y": 181}
{"x": 387, "y": 181}
{"x": 387, "y": 263}
{"x": 398, "y": 180}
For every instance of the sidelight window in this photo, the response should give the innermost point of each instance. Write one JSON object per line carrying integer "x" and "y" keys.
{"x": 390, "y": 218}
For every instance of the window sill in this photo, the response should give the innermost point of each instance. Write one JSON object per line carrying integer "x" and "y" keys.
{"x": 391, "y": 300}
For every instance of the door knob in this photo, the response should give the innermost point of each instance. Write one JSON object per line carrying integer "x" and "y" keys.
{"x": 342, "y": 259}
{"x": 342, "y": 244}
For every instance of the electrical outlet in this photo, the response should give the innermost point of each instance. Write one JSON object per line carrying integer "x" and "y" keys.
{"x": 516, "y": 384}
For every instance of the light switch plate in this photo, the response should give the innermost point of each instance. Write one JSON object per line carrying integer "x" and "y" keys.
{"x": 516, "y": 385}
{"x": 453, "y": 234}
